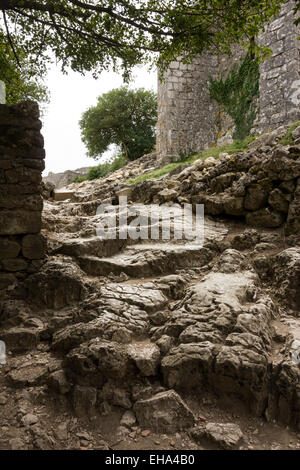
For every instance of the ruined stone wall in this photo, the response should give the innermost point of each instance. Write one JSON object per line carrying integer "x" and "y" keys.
{"x": 280, "y": 75}
{"x": 60, "y": 180}
{"x": 21, "y": 164}
{"x": 189, "y": 120}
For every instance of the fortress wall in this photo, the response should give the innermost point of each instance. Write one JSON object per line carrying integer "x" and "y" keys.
{"x": 189, "y": 120}
{"x": 279, "y": 101}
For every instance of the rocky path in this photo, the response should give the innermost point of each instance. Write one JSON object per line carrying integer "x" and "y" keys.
{"x": 142, "y": 344}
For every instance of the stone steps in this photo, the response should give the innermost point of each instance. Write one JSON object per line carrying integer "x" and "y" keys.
{"x": 213, "y": 333}
{"x": 147, "y": 260}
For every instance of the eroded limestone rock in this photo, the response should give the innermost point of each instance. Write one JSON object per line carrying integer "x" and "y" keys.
{"x": 225, "y": 435}
{"x": 164, "y": 412}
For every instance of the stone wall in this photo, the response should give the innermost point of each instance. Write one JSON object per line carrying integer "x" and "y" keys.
{"x": 21, "y": 164}
{"x": 280, "y": 75}
{"x": 60, "y": 180}
{"x": 189, "y": 120}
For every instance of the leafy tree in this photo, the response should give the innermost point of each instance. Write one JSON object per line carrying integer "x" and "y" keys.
{"x": 92, "y": 35}
{"x": 23, "y": 80}
{"x": 123, "y": 117}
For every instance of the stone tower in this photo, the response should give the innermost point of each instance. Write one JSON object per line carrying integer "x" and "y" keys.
{"x": 189, "y": 120}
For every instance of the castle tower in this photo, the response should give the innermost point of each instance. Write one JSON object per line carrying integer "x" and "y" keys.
{"x": 189, "y": 120}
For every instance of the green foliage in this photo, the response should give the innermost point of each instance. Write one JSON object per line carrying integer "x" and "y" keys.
{"x": 99, "y": 171}
{"x": 296, "y": 12}
{"x": 23, "y": 82}
{"x": 104, "y": 169}
{"x": 288, "y": 138}
{"x": 155, "y": 174}
{"x": 79, "y": 179}
{"x": 236, "y": 93}
{"x": 92, "y": 35}
{"x": 236, "y": 147}
{"x": 123, "y": 117}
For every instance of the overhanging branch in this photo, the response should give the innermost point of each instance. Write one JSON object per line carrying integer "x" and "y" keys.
{"x": 10, "y": 39}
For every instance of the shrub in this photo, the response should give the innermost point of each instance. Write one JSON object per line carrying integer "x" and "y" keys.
{"x": 104, "y": 169}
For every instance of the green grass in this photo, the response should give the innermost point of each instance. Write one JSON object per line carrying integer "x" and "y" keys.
{"x": 156, "y": 173}
{"x": 236, "y": 147}
{"x": 288, "y": 138}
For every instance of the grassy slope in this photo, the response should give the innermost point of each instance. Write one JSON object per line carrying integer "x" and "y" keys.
{"x": 288, "y": 139}
{"x": 231, "y": 149}
{"x": 236, "y": 147}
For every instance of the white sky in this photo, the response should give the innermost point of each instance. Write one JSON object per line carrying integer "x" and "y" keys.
{"x": 70, "y": 96}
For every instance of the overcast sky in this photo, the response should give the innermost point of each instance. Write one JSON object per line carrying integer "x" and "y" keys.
{"x": 71, "y": 95}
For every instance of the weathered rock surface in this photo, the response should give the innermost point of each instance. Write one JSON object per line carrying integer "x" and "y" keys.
{"x": 286, "y": 274}
{"x": 146, "y": 357}
{"x": 131, "y": 327}
{"x": 58, "y": 283}
{"x": 226, "y": 435}
{"x": 164, "y": 412}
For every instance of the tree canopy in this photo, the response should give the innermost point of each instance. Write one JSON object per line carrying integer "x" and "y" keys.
{"x": 92, "y": 35}
{"x": 123, "y": 117}
{"x": 22, "y": 78}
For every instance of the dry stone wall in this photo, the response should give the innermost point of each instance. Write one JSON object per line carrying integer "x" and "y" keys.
{"x": 21, "y": 164}
{"x": 189, "y": 120}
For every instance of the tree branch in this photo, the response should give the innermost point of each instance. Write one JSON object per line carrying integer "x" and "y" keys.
{"x": 10, "y": 39}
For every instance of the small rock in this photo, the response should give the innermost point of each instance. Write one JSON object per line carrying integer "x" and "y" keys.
{"x": 146, "y": 356}
{"x": 167, "y": 195}
{"x": 128, "y": 419}
{"x": 17, "y": 444}
{"x": 201, "y": 418}
{"x": 29, "y": 419}
{"x": 84, "y": 443}
{"x": 145, "y": 433}
{"x": 165, "y": 343}
{"x": 296, "y": 133}
{"x": 61, "y": 432}
{"x": 3, "y": 399}
{"x": 164, "y": 412}
{"x": 227, "y": 435}
{"x": 122, "y": 431}
{"x": 83, "y": 435}
{"x": 208, "y": 162}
